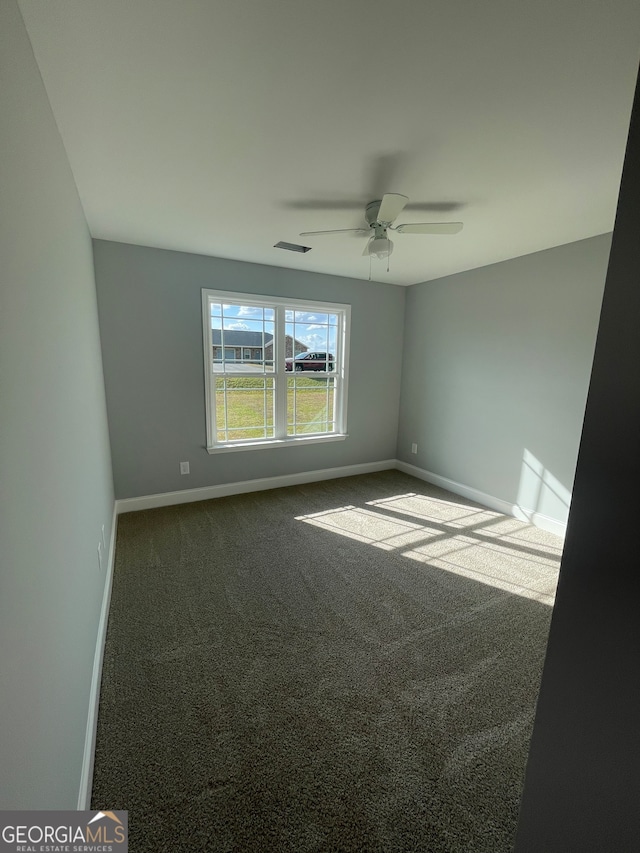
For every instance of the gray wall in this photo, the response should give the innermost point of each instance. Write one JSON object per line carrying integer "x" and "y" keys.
{"x": 150, "y": 318}
{"x": 582, "y": 786}
{"x": 55, "y": 478}
{"x": 495, "y": 373}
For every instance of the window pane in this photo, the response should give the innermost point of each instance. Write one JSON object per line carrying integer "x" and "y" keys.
{"x": 244, "y": 408}
{"x": 310, "y": 404}
{"x": 233, "y": 324}
{"x": 242, "y": 338}
{"x": 267, "y": 353}
{"x": 316, "y": 334}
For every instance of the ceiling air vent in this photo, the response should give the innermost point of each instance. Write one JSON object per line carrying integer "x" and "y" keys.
{"x": 292, "y": 247}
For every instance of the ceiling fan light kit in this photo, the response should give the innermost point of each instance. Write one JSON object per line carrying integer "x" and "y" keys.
{"x": 380, "y": 216}
{"x": 380, "y": 247}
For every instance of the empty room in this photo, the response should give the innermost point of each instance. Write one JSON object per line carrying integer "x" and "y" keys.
{"x": 319, "y": 412}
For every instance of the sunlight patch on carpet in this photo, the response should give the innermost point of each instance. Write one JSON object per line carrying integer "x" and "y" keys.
{"x": 472, "y": 542}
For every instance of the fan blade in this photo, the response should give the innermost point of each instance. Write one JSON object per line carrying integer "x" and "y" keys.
{"x": 429, "y": 228}
{"x": 365, "y": 253}
{"x": 362, "y": 231}
{"x": 391, "y": 206}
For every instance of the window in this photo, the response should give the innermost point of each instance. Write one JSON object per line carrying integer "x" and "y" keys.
{"x": 275, "y": 370}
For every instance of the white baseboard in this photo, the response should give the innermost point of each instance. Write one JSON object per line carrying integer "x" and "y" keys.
{"x": 86, "y": 777}
{"x": 205, "y": 493}
{"x": 258, "y": 485}
{"x": 544, "y": 522}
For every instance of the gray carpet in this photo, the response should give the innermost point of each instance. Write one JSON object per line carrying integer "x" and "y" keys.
{"x": 349, "y": 665}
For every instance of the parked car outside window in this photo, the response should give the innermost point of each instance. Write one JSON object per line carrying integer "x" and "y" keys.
{"x": 310, "y": 361}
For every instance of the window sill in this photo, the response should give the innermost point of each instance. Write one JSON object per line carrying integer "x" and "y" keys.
{"x": 297, "y": 441}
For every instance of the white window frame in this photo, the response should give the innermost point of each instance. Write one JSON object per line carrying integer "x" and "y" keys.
{"x": 280, "y": 305}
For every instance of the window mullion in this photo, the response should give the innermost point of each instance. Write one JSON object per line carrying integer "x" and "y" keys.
{"x": 339, "y": 366}
{"x": 280, "y": 376}
{"x": 208, "y": 370}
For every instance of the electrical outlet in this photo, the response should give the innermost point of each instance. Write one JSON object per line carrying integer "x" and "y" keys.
{"x": 414, "y": 448}
{"x": 184, "y": 467}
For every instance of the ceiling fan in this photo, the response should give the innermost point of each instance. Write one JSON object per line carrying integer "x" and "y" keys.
{"x": 380, "y": 216}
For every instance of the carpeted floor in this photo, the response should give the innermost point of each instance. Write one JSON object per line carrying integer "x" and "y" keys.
{"x": 349, "y": 665}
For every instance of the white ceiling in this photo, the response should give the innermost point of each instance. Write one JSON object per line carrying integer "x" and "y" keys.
{"x": 223, "y": 126}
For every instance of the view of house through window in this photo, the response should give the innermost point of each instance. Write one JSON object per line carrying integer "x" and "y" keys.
{"x": 276, "y": 369}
